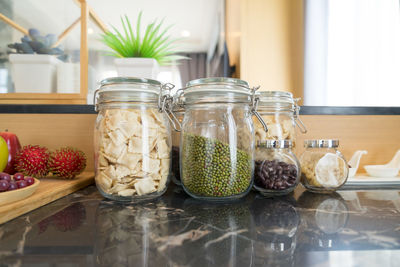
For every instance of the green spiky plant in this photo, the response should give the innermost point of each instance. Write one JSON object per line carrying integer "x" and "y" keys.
{"x": 154, "y": 44}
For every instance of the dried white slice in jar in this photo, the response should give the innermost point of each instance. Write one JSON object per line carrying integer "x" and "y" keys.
{"x": 109, "y": 172}
{"x": 329, "y": 170}
{"x": 162, "y": 149}
{"x": 150, "y": 165}
{"x": 105, "y": 142}
{"x": 145, "y": 186}
{"x": 148, "y": 121}
{"x": 113, "y": 119}
{"x": 127, "y": 192}
{"x": 274, "y": 130}
{"x": 121, "y": 171}
{"x": 137, "y": 171}
{"x": 130, "y": 160}
{"x": 104, "y": 181}
{"x": 118, "y": 187}
{"x": 135, "y": 145}
{"x": 261, "y": 134}
{"x": 132, "y": 115}
{"x": 164, "y": 167}
{"x": 117, "y": 137}
{"x": 158, "y": 116}
{"x": 113, "y": 150}
{"x": 130, "y": 128}
{"x": 102, "y": 160}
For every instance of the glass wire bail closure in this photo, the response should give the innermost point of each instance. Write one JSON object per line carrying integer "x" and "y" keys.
{"x": 254, "y": 105}
{"x": 165, "y": 104}
{"x": 297, "y": 120}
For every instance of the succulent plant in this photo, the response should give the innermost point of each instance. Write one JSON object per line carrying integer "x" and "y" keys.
{"x": 35, "y": 43}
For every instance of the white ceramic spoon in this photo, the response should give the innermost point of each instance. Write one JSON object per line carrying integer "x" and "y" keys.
{"x": 388, "y": 170}
{"x": 354, "y": 162}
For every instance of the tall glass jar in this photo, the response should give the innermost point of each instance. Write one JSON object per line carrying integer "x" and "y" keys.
{"x": 217, "y": 138}
{"x": 132, "y": 139}
{"x": 323, "y": 167}
{"x": 280, "y": 112}
{"x": 277, "y": 170}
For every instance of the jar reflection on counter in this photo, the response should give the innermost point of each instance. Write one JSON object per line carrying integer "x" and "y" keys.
{"x": 132, "y": 140}
{"x": 324, "y": 217}
{"x": 276, "y": 224}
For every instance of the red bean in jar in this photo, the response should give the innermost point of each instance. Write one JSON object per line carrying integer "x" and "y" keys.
{"x": 277, "y": 170}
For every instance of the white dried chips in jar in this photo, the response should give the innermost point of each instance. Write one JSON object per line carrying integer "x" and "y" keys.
{"x": 134, "y": 152}
{"x": 279, "y": 128}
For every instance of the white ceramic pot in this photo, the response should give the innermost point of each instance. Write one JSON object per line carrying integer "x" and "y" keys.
{"x": 137, "y": 67}
{"x": 32, "y": 73}
{"x": 68, "y": 78}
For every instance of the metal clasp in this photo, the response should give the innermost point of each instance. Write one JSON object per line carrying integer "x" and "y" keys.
{"x": 254, "y": 105}
{"x": 297, "y": 120}
{"x": 95, "y": 100}
{"x": 165, "y": 104}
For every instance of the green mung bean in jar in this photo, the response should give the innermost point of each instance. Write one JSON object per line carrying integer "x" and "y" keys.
{"x": 217, "y": 138}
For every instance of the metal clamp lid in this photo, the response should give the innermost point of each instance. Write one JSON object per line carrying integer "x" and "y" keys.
{"x": 165, "y": 104}
{"x": 254, "y": 105}
{"x": 275, "y": 143}
{"x": 322, "y": 143}
{"x": 297, "y": 120}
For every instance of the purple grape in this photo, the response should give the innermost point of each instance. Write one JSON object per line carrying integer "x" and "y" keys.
{"x": 29, "y": 180}
{"x": 22, "y": 184}
{"x": 12, "y": 186}
{"x": 18, "y": 176}
{"x": 4, "y": 185}
{"x": 5, "y": 176}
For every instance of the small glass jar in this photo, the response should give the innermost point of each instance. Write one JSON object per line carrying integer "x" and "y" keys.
{"x": 276, "y": 170}
{"x": 280, "y": 112}
{"x": 132, "y": 139}
{"x": 217, "y": 138}
{"x": 323, "y": 167}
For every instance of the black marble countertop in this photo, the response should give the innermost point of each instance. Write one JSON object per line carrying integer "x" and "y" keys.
{"x": 348, "y": 228}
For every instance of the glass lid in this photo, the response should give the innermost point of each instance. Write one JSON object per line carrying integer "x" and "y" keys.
{"x": 130, "y": 84}
{"x": 275, "y": 96}
{"x": 216, "y": 90}
{"x": 218, "y": 80}
{"x": 129, "y": 80}
{"x": 128, "y": 89}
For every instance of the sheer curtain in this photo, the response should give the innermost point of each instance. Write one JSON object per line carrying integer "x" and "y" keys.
{"x": 352, "y": 53}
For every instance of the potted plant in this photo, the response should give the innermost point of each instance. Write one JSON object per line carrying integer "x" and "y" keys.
{"x": 34, "y": 64}
{"x": 137, "y": 55}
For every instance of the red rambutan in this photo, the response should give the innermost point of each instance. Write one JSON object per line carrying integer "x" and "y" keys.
{"x": 32, "y": 161}
{"x": 67, "y": 162}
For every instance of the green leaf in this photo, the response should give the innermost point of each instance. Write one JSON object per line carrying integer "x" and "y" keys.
{"x": 155, "y": 43}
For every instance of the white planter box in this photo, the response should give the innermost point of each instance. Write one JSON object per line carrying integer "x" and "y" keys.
{"x": 34, "y": 73}
{"x": 137, "y": 67}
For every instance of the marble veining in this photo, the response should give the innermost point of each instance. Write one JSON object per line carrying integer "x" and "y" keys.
{"x": 301, "y": 229}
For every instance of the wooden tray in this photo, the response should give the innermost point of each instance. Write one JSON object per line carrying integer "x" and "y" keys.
{"x": 49, "y": 189}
